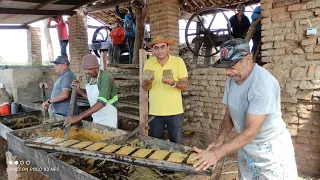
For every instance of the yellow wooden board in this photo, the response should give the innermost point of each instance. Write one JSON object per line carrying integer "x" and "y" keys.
{"x": 82, "y": 144}
{"x": 159, "y": 155}
{"x": 126, "y": 150}
{"x": 68, "y": 143}
{"x": 55, "y": 141}
{"x": 141, "y": 153}
{"x": 189, "y": 160}
{"x": 42, "y": 139}
{"x": 96, "y": 146}
{"x": 110, "y": 148}
{"x": 177, "y": 157}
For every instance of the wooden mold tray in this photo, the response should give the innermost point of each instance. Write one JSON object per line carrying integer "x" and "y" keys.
{"x": 161, "y": 159}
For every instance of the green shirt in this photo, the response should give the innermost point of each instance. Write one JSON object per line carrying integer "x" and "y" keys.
{"x": 107, "y": 88}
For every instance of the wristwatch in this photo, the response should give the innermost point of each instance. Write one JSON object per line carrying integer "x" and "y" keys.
{"x": 175, "y": 84}
{"x": 48, "y": 101}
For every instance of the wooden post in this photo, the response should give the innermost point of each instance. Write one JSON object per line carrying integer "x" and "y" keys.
{"x": 143, "y": 95}
{"x": 141, "y": 14}
{"x": 253, "y": 28}
{"x": 48, "y": 40}
{"x": 103, "y": 60}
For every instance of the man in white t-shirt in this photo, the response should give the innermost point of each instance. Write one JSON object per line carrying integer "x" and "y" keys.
{"x": 253, "y": 108}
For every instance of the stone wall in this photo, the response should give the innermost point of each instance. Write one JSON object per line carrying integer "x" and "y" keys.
{"x": 34, "y": 46}
{"x": 294, "y": 60}
{"x": 203, "y": 105}
{"x": 164, "y": 20}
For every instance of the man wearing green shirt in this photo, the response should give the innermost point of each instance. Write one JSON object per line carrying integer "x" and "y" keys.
{"x": 101, "y": 92}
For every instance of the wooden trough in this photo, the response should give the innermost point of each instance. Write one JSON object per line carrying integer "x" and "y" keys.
{"x": 18, "y": 139}
{"x": 39, "y": 158}
{"x": 26, "y": 117}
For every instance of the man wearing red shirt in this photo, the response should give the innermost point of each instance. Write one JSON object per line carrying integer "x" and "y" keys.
{"x": 117, "y": 35}
{"x": 62, "y": 33}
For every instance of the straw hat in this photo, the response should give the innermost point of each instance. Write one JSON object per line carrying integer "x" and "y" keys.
{"x": 160, "y": 39}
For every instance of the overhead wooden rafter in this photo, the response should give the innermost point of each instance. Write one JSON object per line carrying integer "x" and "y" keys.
{"x": 195, "y": 3}
{"x": 214, "y": 4}
{"x": 6, "y": 27}
{"x": 104, "y": 6}
{"x": 204, "y": 5}
{"x": 35, "y": 12}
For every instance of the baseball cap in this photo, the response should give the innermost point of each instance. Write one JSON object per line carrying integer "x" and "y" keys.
{"x": 231, "y": 52}
{"x": 61, "y": 60}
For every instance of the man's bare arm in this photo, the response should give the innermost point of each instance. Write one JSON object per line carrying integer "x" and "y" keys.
{"x": 49, "y": 24}
{"x": 253, "y": 125}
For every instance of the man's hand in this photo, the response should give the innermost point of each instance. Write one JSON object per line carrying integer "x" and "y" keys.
{"x": 45, "y": 85}
{"x": 45, "y": 105}
{"x": 75, "y": 84}
{"x": 205, "y": 159}
{"x": 169, "y": 82}
{"x": 70, "y": 120}
{"x": 213, "y": 145}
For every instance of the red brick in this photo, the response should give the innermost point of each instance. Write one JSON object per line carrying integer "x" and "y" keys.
{"x": 295, "y": 7}
{"x": 308, "y": 42}
{"x": 277, "y": 10}
{"x": 298, "y": 51}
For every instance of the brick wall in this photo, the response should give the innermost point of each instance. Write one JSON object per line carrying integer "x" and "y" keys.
{"x": 34, "y": 46}
{"x": 294, "y": 60}
{"x": 78, "y": 42}
{"x": 164, "y": 20}
{"x": 203, "y": 105}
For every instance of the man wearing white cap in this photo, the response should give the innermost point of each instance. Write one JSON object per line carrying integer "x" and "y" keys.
{"x": 101, "y": 92}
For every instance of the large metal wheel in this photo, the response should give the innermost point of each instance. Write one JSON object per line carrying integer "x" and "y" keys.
{"x": 101, "y": 34}
{"x": 206, "y": 37}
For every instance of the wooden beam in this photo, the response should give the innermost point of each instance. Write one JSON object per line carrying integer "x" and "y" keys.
{"x": 204, "y": 5}
{"x": 143, "y": 96}
{"x": 213, "y": 3}
{"x": 4, "y": 27}
{"x": 83, "y": 4}
{"x": 39, "y": 19}
{"x": 35, "y": 12}
{"x": 35, "y": 7}
{"x": 44, "y": 4}
{"x": 112, "y": 4}
{"x": 8, "y": 17}
{"x": 195, "y": 3}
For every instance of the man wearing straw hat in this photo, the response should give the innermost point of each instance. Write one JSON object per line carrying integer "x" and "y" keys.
{"x": 165, "y": 99}
{"x": 101, "y": 92}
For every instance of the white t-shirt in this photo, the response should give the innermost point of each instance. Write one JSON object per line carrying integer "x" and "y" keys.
{"x": 259, "y": 94}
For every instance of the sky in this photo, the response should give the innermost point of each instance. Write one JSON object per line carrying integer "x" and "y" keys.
{"x": 13, "y": 44}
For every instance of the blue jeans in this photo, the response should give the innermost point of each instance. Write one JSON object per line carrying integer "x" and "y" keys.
{"x": 63, "y": 47}
{"x": 130, "y": 41}
{"x": 174, "y": 125}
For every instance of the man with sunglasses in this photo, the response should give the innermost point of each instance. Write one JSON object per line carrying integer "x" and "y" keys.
{"x": 101, "y": 92}
{"x": 253, "y": 107}
{"x": 165, "y": 99}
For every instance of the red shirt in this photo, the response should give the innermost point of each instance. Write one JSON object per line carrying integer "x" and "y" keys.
{"x": 117, "y": 35}
{"x": 62, "y": 31}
